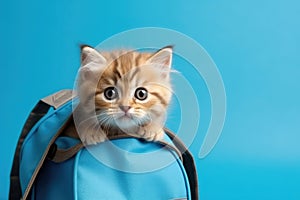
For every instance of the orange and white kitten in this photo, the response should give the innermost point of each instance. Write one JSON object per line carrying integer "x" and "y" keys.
{"x": 123, "y": 92}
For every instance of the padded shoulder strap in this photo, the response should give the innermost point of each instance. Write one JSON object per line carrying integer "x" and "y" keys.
{"x": 41, "y": 108}
{"x": 59, "y": 98}
{"x": 188, "y": 163}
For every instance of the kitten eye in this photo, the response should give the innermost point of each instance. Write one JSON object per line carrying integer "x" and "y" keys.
{"x": 141, "y": 93}
{"x": 110, "y": 93}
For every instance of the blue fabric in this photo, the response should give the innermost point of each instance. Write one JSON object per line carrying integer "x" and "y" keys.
{"x": 38, "y": 138}
{"x": 55, "y": 182}
{"x": 97, "y": 180}
{"x": 86, "y": 177}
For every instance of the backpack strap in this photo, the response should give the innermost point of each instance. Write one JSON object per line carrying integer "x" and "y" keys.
{"x": 188, "y": 163}
{"x": 41, "y": 109}
{"x": 60, "y": 155}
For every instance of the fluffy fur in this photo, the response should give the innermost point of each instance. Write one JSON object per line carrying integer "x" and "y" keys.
{"x": 128, "y": 77}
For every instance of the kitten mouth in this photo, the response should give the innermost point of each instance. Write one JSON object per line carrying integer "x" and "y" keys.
{"x": 126, "y": 117}
{"x": 125, "y": 121}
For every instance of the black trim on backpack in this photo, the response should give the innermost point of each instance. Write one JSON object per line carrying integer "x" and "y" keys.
{"x": 36, "y": 114}
{"x": 188, "y": 163}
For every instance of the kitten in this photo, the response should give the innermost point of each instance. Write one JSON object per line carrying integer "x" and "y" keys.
{"x": 123, "y": 92}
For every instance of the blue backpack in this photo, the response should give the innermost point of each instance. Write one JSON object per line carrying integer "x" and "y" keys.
{"x": 51, "y": 165}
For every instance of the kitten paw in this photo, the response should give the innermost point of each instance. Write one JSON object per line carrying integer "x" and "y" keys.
{"x": 93, "y": 137}
{"x": 151, "y": 134}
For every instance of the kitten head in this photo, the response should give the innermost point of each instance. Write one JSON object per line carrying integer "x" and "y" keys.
{"x": 125, "y": 89}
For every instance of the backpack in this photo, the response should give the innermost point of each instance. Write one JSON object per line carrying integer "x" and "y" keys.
{"x": 49, "y": 165}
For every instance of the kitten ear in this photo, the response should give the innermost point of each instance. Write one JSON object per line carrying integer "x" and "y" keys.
{"x": 162, "y": 60}
{"x": 162, "y": 57}
{"x": 92, "y": 62}
{"x": 91, "y": 55}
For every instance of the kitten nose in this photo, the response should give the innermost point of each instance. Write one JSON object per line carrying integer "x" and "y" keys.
{"x": 125, "y": 108}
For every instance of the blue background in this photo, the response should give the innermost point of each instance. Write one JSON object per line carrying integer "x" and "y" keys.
{"x": 255, "y": 45}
